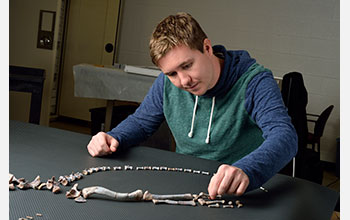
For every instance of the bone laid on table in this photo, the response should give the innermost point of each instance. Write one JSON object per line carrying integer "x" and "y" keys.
{"x": 133, "y": 196}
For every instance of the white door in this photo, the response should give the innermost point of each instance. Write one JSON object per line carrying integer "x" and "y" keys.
{"x": 92, "y": 24}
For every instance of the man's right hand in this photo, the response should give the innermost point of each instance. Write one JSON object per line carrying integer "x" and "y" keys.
{"x": 102, "y": 144}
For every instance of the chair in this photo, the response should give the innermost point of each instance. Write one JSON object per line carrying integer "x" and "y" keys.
{"x": 320, "y": 123}
{"x": 25, "y": 79}
{"x": 295, "y": 98}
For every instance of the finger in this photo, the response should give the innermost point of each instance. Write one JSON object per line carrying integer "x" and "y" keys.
{"x": 226, "y": 183}
{"x": 234, "y": 185}
{"x": 113, "y": 144}
{"x": 214, "y": 185}
{"x": 242, "y": 187}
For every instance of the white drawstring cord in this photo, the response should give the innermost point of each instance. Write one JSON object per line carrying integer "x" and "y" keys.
{"x": 211, "y": 118}
{"x": 193, "y": 116}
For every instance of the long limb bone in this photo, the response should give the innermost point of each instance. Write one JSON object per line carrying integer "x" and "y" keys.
{"x": 133, "y": 196}
{"x": 148, "y": 196}
{"x": 173, "y": 202}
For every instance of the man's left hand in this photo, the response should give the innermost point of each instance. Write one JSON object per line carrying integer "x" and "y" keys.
{"x": 228, "y": 180}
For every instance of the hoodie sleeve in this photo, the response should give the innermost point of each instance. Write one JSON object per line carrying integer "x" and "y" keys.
{"x": 146, "y": 119}
{"x": 265, "y": 105}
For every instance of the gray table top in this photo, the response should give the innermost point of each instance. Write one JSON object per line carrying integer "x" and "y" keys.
{"x": 38, "y": 150}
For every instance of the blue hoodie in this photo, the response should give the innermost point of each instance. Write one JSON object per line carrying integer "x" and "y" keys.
{"x": 263, "y": 102}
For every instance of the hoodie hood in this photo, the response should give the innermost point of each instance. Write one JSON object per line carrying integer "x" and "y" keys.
{"x": 236, "y": 63}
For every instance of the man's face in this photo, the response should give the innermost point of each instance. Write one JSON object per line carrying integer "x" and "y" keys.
{"x": 190, "y": 70}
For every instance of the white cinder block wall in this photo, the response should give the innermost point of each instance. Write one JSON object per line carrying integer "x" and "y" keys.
{"x": 285, "y": 36}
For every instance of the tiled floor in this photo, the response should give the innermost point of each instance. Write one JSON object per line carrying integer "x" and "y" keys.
{"x": 330, "y": 179}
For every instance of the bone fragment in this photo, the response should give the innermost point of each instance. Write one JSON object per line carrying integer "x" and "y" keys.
{"x": 56, "y": 188}
{"x": 197, "y": 171}
{"x": 50, "y": 183}
{"x": 263, "y": 189}
{"x": 23, "y": 184}
{"x": 12, "y": 178}
{"x": 201, "y": 201}
{"x": 29, "y": 217}
{"x": 228, "y": 206}
{"x": 35, "y": 183}
{"x": 238, "y": 204}
{"x": 73, "y": 192}
{"x": 39, "y": 214}
{"x": 148, "y": 196}
{"x": 85, "y": 172}
{"x": 216, "y": 205}
{"x": 163, "y": 168}
{"x": 80, "y": 199}
{"x": 117, "y": 168}
{"x": 41, "y": 186}
{"x": 128, "y": 167}
{"x": 210, "y": 202}
{"x": 63, "y": 180}
{"x": 12, "y": 186}
{"x": 174, "y": 202}
{"x": 133, "y": 196}
{"x": 205, "y": 173}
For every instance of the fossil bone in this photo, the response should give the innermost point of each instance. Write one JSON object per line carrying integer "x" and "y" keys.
{"x": 12, "y": 186}
{"x": 148, "y": 196}
{"x": 174, "y": 202}
{"x": 216, "y": 205}
{"x": 227, "y": 206}
{"x": 35, "y": 183}
{"x": 80, "y": 199}
{"x": 63, "y": 180}
{"x": 210, "y": 202}
{"x": 23, "y": 184}
{"x": 201, "y": 201}
{"x": 52, "y": 185}
{"x": 238, "y": 204}
{"x": 263, "y": 189}
{"x": 12, "y": 178}
{"x": 73, "y": 192}
{"x": 117, "y": 168}
{"x": 56, "y": 188}
{"x": 41, "y": 186}
{"x": 133, "y": 196}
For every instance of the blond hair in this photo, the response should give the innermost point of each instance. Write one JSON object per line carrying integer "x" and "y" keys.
{"x": 173, "y": 31}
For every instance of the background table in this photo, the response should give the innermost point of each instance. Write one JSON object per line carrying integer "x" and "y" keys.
{"x": 110, "y": 83}
{"x": 38, "y": 150}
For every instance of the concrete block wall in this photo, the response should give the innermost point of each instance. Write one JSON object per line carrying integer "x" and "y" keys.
{"x": 284, "y": 36}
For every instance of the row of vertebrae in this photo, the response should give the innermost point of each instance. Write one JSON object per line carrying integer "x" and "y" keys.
{"x": 21, "y": 183}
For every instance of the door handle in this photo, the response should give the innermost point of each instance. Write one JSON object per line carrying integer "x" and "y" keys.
{"x": 109, "y": 48}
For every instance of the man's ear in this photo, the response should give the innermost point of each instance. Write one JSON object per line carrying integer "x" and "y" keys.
{"x": 207, "y": 46}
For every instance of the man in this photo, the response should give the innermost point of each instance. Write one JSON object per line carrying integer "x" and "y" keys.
{"x": 219, "y": 105}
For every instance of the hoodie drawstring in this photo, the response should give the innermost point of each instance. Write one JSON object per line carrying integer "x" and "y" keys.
{"x": 190, "y": 134}
{"x": 210, "y": 120}
{"x": 193, "y": 116}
